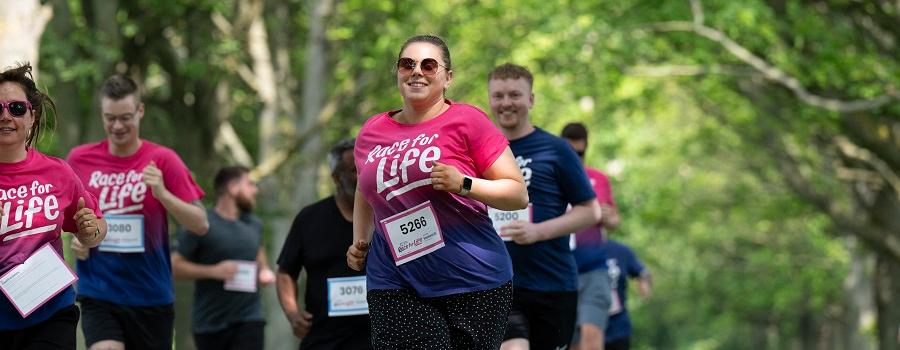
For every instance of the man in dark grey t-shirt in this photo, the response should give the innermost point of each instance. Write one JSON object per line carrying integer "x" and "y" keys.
{"x": 228, "y": 262}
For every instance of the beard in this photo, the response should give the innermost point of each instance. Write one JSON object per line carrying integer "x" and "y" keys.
{"x": 346, "y": 187}
{"x": 245, "y": 204}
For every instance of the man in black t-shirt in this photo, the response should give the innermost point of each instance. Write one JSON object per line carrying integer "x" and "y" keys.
{"x": 336, "y": 315}
{"x": 227, "y": 262}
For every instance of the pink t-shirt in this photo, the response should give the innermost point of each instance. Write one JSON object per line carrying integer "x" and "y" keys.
{"x": 589, "y": 252}
{"x": 394, "y": 163}
{"x": 40, "y": 197}
{"x": 601, "y": 186}
{"x": 136, "y": 279}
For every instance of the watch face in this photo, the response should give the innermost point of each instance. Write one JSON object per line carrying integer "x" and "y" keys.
{"x": 467, "y": 183}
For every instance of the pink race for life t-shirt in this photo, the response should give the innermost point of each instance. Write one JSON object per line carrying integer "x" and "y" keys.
{"x": 131, "y": 278}
{"x": 601, "y": 186}
{"x": 589, "y": 252}
{"x": 40, "y": 198}
{"x": 393, "y": 163}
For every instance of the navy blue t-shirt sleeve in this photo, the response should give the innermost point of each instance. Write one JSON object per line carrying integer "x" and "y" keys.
{"x": 634, "y": 265}
{"x": 573, "y": 179}
{"x": 290, "y": 259}
{"x": 188, "y": 244}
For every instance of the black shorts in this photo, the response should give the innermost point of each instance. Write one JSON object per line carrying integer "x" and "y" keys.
{"x": 138, "y": 327}
{"x": 57, "y": 332}
{"x": 238, "y": 336}
{"x": 403, "y": 320}
{"x": 546, "y": 319}
{"x": 619, "y": 344}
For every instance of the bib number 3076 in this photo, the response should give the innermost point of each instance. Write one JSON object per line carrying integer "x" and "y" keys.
{"x": 413, "y": 233}
{"x": 347, "y": 296}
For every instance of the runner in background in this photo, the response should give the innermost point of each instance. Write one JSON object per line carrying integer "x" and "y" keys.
{"x": 125, "y": 284}
{"x": 40, "y": 197}
{"x": 594, "y": 291}
{"x": 438, "y": 276}
{"x": 228, "y": 263}
{"x": 623, "y": 263}
{"x": 335, "y": 313}
{"x": 546, "y": 278}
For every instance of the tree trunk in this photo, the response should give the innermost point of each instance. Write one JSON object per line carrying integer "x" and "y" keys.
{"x": 887, "y": 299}
{"x": 71, "y": 117}
{"x": 314, "y": 81}
{"x": 887, "y": 274}
{"x": 277, "y": 209}
{"x": 22, "y": 24}
{"x": 858, "y": 311}
{"x": 101, "y": 18}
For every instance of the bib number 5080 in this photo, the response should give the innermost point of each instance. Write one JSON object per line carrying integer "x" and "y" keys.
{"x": 413, "y": 225}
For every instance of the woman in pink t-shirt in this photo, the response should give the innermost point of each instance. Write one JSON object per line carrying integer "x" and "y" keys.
{"x": 437, "y": 274}
{"x": 40, "y": 197}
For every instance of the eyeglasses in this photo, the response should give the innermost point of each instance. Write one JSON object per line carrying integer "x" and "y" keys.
{"x": 16, "y": 108}
{"x": 406, "y": 65}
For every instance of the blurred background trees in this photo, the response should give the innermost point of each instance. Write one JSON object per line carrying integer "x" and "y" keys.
{"x": 754, "y": 146}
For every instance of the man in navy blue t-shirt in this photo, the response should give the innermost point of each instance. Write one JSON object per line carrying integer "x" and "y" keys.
{"x": 545, "y": 280}
{"x": 621, "y": 262}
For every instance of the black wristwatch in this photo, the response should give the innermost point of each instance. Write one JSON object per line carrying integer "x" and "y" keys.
{"x": 466, "y": 186}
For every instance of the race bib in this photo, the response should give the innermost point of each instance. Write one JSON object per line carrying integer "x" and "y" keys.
{"x": 124, "y": 234}
{"x": 413, "y": 233}
{"x": 502, "y": 218}
{"x": 244, "y": 279}
{"x": 615, "y": 306}
{"x": 41, "y": 277}
{"x": 347, "y": 296}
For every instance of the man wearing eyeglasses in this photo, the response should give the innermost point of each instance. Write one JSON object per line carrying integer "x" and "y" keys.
{"x": 125, "y": 284}
{"x": 594, "y": 284}
{"x": 545, "y": 277}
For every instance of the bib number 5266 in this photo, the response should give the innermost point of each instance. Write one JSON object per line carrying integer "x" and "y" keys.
{"x": 413, "y": 233}
{"x": 413, "y": 225}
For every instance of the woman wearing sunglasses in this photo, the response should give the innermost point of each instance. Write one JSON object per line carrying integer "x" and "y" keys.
{"x": 40, "y": 197}
{"x": 438, "y": 275}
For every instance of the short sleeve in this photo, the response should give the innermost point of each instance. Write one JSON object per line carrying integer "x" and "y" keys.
{"x": 77, "y": 192}
{"x": 290, "y": 259}
{"x": 572, "y": 177}
{"x": 635, "y": 266}
{"x": 486, "y": 142}
{"x": 177, "y": 178}
{"x": 188, "y": 244}
{"x": 358, "y": 152}
{"x": 604, "y": 190}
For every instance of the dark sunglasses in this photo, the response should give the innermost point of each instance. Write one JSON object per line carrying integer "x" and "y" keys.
{"x": 406, "y": 65}
{"x": 15, "y": 108}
